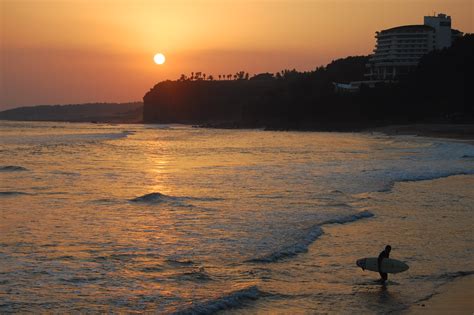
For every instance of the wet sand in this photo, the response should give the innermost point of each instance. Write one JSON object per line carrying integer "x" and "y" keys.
{"x": 445, "y": 131}
{"x": 456, "y": 297}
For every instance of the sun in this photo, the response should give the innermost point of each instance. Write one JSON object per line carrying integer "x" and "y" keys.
{"x": 159, "y": 59}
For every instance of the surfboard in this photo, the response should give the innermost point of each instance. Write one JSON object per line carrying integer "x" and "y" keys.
{"x": 389, "y": 265}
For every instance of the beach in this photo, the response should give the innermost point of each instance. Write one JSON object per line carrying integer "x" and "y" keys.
{"x": 463, "y": 132}
{"x": 456, "y": 297}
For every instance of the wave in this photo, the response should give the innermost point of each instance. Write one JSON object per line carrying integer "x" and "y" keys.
{"x": 12, "y": 168}
{"x": 198, "y": 275}
{"x": 444, "y": 276}
{"x": 156, "y": 198}
{"x": 349, "y": 218}
{"x": 104, "y": 201}
{"x": 12, "y": 193}
{"x": 292, "y": 250}
{"x": 66, "y": 173}
{"x": 456, "y": 274}
{"x": 422, "y": 177}
{"x": 231, "y": 300}
{"x": 202, "y": 198}
{"x": 312, "y": 235}
{"x": 81, "y": 280}
{"x": 448, "y": 276}
{"x": 180, "y": 262}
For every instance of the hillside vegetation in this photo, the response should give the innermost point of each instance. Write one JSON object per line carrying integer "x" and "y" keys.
{"x": 435, "y": 91}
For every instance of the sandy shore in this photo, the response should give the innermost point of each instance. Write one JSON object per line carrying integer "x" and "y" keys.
{"x": 452, "y": 131}
{"x": 456, "y": 297}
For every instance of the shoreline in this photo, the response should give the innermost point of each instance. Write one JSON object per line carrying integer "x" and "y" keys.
{"x": 455, "y": 297}
{"x": 464, "y": 132}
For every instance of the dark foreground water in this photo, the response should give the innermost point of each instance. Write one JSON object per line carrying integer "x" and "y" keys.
{"x": 133, "y": 218}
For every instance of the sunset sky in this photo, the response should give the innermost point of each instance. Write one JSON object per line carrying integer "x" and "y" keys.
{"x": 77, "y": 51}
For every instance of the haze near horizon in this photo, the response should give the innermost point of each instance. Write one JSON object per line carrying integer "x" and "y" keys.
{"x": 58, "y": 52}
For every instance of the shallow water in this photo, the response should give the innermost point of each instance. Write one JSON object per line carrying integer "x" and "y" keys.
{"x": 171, "y": 218}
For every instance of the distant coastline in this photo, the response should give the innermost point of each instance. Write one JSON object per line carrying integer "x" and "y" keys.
{"x": 91, "y": 112}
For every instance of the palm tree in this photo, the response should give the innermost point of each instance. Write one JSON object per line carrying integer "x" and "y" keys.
{"x": 192, "y": 76}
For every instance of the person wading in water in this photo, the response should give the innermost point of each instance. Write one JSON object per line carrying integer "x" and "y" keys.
{"x": 384, "y": 254}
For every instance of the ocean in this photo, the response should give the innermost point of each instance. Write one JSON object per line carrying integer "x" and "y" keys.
{"x": 174, "y": 219}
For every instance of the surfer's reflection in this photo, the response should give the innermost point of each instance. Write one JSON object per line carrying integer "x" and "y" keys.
{"x": 381, "y": 297}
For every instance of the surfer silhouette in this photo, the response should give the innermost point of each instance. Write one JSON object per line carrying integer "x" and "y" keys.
{"x": 384, "y": 254}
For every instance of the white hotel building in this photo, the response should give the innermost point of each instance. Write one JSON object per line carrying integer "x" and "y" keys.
{"x": 399, "y": 49}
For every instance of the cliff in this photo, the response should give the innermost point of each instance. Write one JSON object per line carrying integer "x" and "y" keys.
{"x": 264, "y": 100}
{"x": 202, "y": 101}
{"x": 435, "y": 91}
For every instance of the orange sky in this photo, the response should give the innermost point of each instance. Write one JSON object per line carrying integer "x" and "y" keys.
{"x": 76, "y": 51}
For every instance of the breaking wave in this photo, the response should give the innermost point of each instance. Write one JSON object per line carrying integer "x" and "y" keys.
{"x": 422, "y": 177}
{"x": 232, "y": 300}
{"x": 312, "y": 235}
{"x": 349, "y": 218}
{"x": 292, "y": 250}
{"x": 12, "y": 168}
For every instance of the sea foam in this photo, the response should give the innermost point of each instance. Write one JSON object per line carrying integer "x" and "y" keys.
{"x": 311, "y": 235}
{"x": 231, "y": 300}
